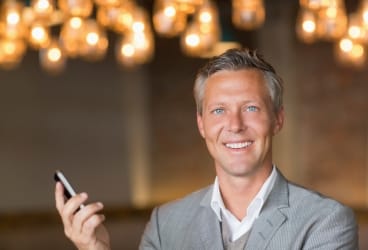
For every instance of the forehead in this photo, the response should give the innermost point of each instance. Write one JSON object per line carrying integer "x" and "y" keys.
{"x": 244, "y": 81}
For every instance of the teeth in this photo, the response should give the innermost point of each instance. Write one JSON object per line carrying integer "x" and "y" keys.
{"x": 238, "y": 145}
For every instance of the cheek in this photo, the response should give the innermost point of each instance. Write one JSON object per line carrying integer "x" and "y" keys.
{"x": 212, "y": 128}
{"x": 262, "y": 125}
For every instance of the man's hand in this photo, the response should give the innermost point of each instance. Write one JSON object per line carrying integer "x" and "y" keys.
{"x": 84, "y": 227}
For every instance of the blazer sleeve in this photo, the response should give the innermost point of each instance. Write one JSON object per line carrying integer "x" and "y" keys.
{"x": 151, "y": 238}
{"x": 336, "y": 230}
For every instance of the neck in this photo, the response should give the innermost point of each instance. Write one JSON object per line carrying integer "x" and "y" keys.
{"x": 238, "y": 191}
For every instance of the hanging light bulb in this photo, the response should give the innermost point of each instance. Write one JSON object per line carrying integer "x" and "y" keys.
{"x": 11, "y": 23}
{"x": 355, "y": 29}
{"x": 109, "y": 3}
{"x": 349, "y": 52}
{"x": 125, "y": 51}
{"x": 125, "y": 17}
{"x": 142, "y": 35}
{"x": 53, "y": 58}
{"x": 134, "y": 49}
{"x": 188, "y": 6}
{"x": 80, "y": 8}
{"x": 361, "y": 17}
{"x": 314, "y": 5}
{"x": 306, "y": 25}
{"x": 107, "y": 16}
{"x": 39, "y": 35}
{"x": 12, "y": 32}
{"x": 248, "y": 14}
{"x": 203, "y": 33}
{"x": 168, "y": 20}
{"x": 43, "y": 9}
{"x": 207, "y": 17}
{"x": 71, "y": 35}
{"x": 95, "y": 42}
{"x": 363, "y": 12}
{"x": 191, "y": 40}
{"x": 137, "y": 46}
{"x": 208, "y": 20}
{"x": 11, "y": 52}
{"x": 118, "y": 19}
{"x": 332, "y": 21}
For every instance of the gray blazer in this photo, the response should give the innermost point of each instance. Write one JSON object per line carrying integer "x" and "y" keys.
{"x": 291, "y": 218}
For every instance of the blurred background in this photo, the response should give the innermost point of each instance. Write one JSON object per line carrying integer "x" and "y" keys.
{"x": 109, "y": 102}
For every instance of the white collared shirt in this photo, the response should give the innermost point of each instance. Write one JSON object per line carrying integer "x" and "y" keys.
{"x": 238, "y": 228}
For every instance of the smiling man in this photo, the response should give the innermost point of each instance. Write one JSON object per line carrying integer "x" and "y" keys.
{"x": 250, "y": 204}
{"x": 237, "y": 122}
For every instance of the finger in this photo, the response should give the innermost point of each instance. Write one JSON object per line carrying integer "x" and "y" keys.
{"x": 59, "y": 197}
{"x": 84, "y": 214}
{"x": 74, "y": 203}
{"x": 90, "y": 226}
{"x": 68, "y": 211}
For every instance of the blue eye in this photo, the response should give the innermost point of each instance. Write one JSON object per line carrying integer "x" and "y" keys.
{"x": 252, "y": 109}
{"x": 218, "y": 111}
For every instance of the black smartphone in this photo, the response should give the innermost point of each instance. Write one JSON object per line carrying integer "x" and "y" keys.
{"x": 68, "y": 189}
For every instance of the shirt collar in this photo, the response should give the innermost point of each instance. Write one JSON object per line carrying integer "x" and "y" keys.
{"x": 256, "y": 204}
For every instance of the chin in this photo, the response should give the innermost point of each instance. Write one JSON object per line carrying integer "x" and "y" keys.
{"x": 239, "y": 172}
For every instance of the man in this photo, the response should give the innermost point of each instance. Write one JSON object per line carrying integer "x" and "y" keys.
{"x": 250, "y": 205}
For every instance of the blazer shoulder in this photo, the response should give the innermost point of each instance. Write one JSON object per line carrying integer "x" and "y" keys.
{"x": 325, "y": 219}
{"x": 178, "y": 215}
{"x": 187, "y": 203}
{"x": 324, "y": 205}
{"x": 298, "y": 192}
{"x": 177, "y": 224}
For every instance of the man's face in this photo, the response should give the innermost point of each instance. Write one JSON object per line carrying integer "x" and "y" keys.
{"x": 238, "y": 122}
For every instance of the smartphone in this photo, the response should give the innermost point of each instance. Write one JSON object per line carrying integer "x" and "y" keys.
{"x": 68, "y": 189}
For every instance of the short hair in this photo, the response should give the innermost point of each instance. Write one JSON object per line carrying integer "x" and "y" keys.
{"x": 238, "y": 59}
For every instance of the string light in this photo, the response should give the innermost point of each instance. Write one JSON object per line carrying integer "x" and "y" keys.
{"x": 306, "y": 25}
{"x": 82, "y": 32}
{"x": 328, "y": 20}
{"x": 53, "y": 58}
{"x": 248, "y": 14}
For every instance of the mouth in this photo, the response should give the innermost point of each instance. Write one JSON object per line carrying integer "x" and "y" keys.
{"x": 239, "y": 145}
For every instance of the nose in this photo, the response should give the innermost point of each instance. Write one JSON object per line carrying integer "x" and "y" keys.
{"x": 236, "y": 122}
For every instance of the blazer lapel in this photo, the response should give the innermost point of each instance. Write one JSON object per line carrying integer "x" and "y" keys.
{"x": 271, "y": 218}
{"x": 210, "y": 230}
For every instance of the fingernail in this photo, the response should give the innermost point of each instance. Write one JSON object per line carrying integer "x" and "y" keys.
{"x": 84, "y": 195}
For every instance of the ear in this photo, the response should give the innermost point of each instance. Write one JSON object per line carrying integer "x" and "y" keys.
{"x": 279, "y": 121}
{"x": 200, "y": 124}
